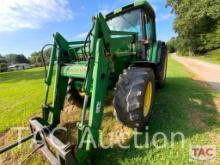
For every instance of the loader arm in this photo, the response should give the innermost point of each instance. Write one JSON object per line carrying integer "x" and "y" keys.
{"x": 98, "y": 70}
{"x": 103, "y": 46}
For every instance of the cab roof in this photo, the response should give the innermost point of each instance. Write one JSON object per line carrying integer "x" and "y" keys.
{"x": 136, "y": 5}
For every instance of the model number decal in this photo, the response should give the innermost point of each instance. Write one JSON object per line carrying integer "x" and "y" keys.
{"x": 98, "y": 107}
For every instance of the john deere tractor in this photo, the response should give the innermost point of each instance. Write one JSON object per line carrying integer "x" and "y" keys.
{"x": 121, "y": 52}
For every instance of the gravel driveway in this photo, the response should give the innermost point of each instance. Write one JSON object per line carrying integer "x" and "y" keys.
{"x": 204, "y": 71}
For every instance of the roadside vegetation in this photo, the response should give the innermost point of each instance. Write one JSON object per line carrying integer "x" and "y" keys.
{"x": 197, "y": 25}
{"x": 211, "y": 56}
{"x": 184, "y": 105}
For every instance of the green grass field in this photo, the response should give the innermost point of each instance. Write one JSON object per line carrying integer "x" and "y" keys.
{"x": 21, "y": 96}
{"x": 184, "y": 105}
{"x": 212, "y": 57}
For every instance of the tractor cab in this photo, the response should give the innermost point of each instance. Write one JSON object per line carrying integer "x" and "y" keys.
{"x": 137, "y": 17}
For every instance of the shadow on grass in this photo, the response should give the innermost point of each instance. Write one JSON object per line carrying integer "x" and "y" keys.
{"x": 182, "y": 106}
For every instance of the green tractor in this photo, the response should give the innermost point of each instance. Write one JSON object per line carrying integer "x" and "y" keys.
{"x": 120, "y": 52}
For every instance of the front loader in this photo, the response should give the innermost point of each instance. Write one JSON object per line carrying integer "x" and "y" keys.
{"x": 120, "y": 52}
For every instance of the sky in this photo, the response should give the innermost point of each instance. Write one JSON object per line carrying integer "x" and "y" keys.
{"x": 27, "y": 25}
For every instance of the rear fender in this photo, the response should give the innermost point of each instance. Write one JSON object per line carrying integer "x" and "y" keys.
{"x": 144, "y": 64}
{"x": 154, "y": 52}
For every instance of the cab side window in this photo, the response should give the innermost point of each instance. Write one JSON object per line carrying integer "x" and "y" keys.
{"x": 149, "y": 28}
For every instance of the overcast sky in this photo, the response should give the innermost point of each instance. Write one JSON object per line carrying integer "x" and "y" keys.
{"x": 26, "y": 25}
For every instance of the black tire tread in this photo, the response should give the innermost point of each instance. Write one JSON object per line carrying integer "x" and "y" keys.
{"x": 160, "y": 68}
{"x": 129, "y": 95}
{"x": 72, "y": 94}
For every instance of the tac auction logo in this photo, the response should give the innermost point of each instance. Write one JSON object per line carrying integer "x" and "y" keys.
{"x": 202, "y": 153}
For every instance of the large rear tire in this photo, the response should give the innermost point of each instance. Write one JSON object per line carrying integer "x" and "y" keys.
{"x": 161, "y": 70}
{"x": 133, "y": 97}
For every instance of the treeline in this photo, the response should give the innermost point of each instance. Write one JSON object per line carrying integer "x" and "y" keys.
{"x": 35, "y": 58}
{"x": 197, "y": 25}
{"x": 9, "y": 59}
{"x": 13, "y": 58}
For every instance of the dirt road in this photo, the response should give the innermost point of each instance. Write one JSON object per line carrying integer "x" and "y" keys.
{"x": 206, "y": 72}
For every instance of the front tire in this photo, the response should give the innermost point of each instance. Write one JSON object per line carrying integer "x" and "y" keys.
{"x": 73, "y": 97}
{"x": 133, "y": 97}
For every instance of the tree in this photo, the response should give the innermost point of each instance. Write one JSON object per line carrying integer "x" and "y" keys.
{"x": 16, "y": 58}
{"x": 3, "y": 64}
{"x": 197, "y": 24}
{"x": 36, "y": 57}
{"x": 172, "y": 45}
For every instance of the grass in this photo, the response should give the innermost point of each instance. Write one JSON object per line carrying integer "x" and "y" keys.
{"x": 184, "y": 105}
{"x": 21, "y": 96}
{"x": 212, "y": 57}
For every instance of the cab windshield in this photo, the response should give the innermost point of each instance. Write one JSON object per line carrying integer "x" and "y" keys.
{"x": 129, "y": 22}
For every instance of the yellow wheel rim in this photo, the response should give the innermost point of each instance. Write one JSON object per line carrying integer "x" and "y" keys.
{"x": 148, "y": 98}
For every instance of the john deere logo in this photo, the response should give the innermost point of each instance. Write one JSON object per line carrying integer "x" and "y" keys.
{"x": 78, "y": 69}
